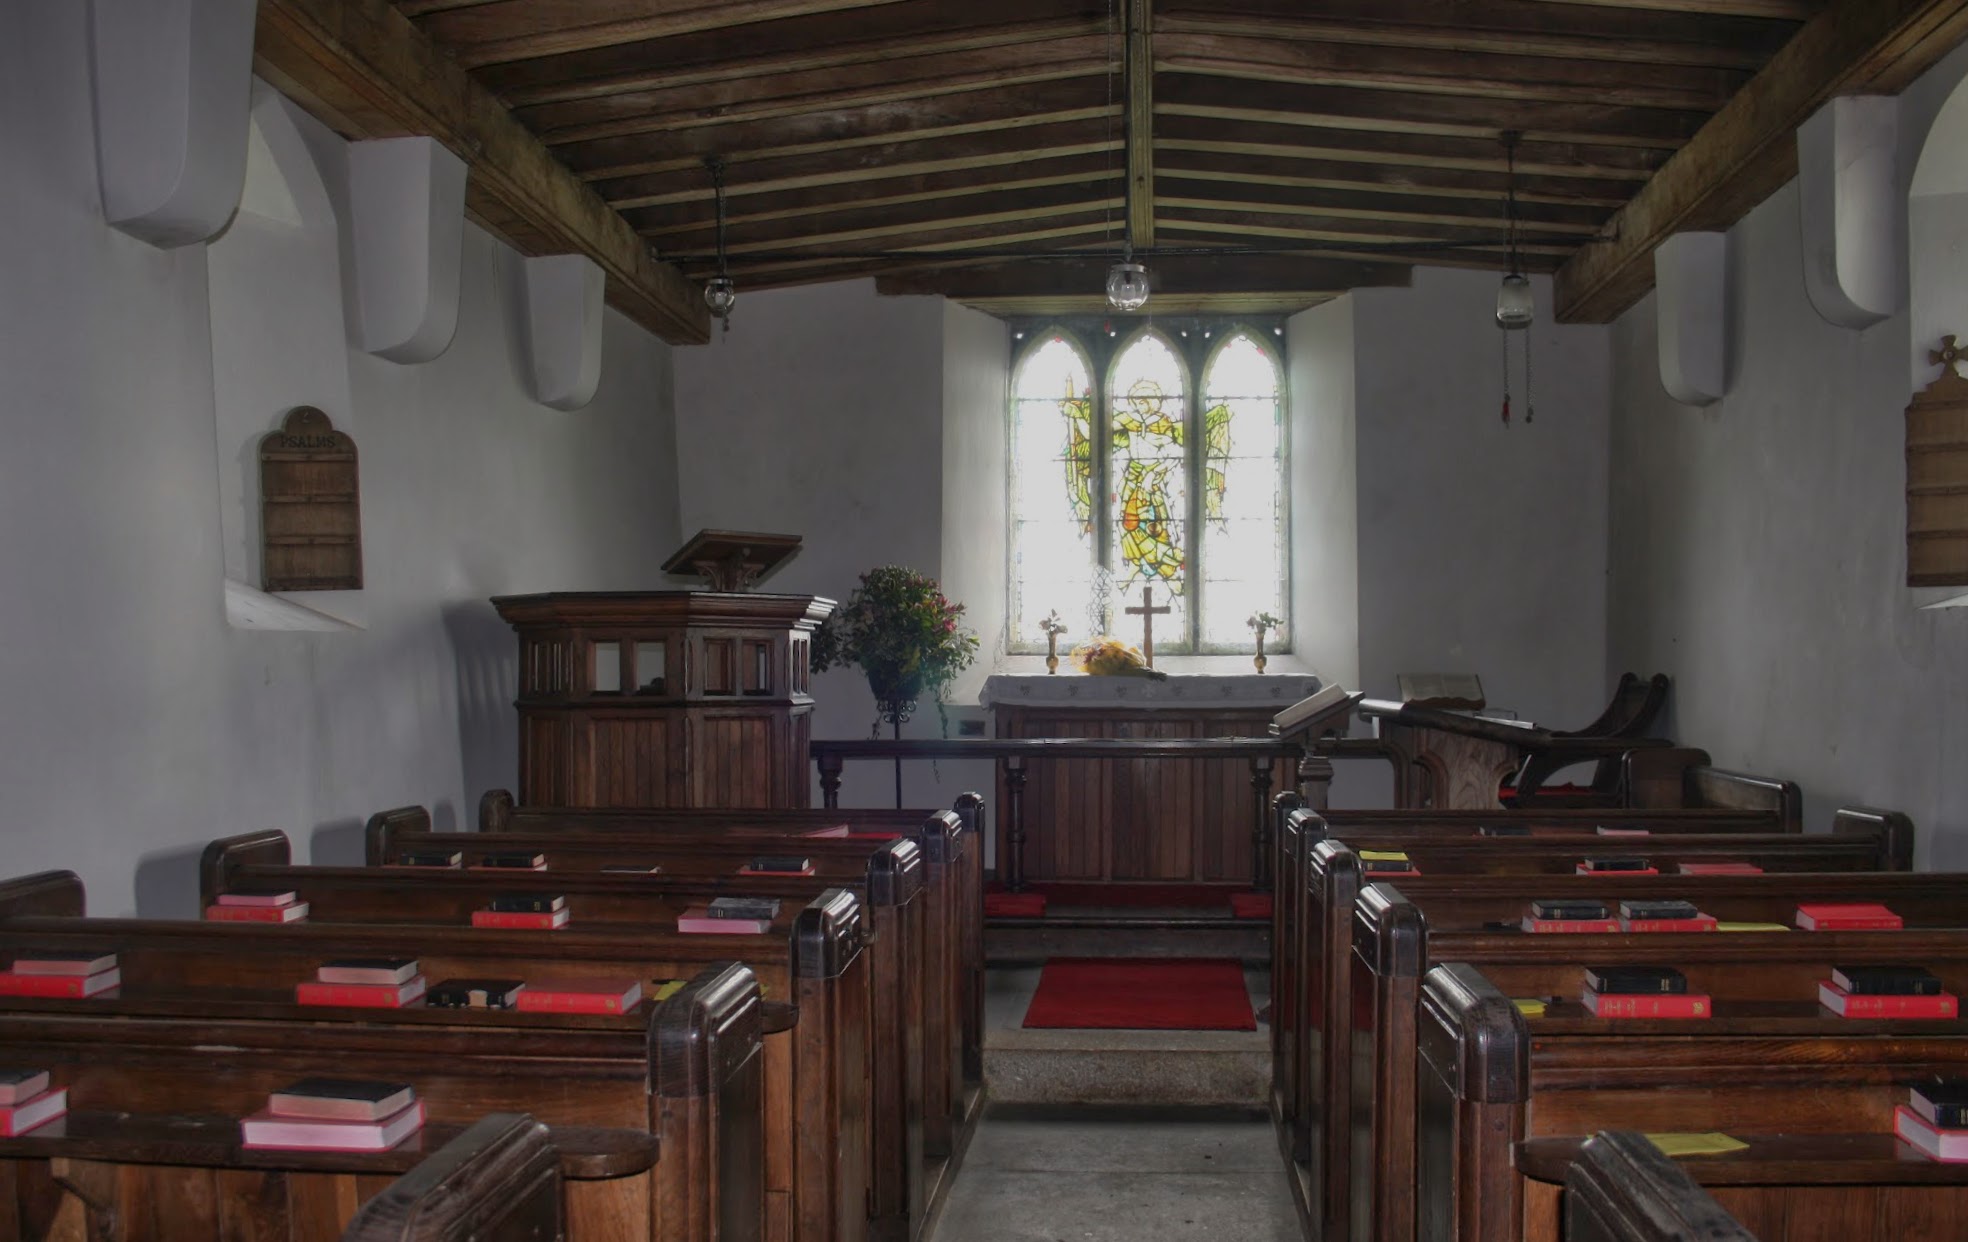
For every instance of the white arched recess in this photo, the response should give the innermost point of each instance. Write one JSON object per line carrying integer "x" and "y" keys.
{"x": 278, "y": 340}
{"x": 1937, "y": 254}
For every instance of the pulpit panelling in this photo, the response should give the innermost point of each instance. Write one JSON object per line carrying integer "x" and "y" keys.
{"x": 664, "y": 699}
{"x": 1140, "y": 819}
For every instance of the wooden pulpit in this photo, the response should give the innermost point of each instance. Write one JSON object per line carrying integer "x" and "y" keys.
{"x": 664, "y": 698}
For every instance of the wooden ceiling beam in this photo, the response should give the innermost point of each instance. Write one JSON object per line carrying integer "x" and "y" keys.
{"x": 863, "y": 227}
{"x": 508, "y": 30}
{"x": 1227, "y": 304}
{"x": 1085, "y": 230}
{"x": 1174, "y": 275}
{"x": 366, "y": 71}
{"x": 1585, "y": 32}
{"x": 747, "y": 177}
{"x": 1748, "y": 150}
{"x": 1429, "y": 71}
{"x": 1282, "y": 167}
{"x": 1258, "y": 220}
{"x": 1339, "y": 107}
{"x": 1779, "y": 10}
{"x": 1220, "y": 129}
{"x": 661, "y": 223}
{"x": 946, "y": 116}
{"x": 1399, "y": 25}
{"x": 1140, "y": 112}
{"x": 898, "y": 79}
{"x": 1184, "y": 232}
{"x": 794, "y": 45}
{"x": 1483, "y": 212}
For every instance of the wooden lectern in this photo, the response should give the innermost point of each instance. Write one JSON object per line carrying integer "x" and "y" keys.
{"x": 664, "y": 698}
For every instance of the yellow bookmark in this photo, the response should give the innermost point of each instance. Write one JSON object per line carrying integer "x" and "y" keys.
{"x": 1689, "y": 1143}
{"x": 1750, "y": 927}
{"x": 1529, "y": 1006}
{"x": 1383, "y": 856}
{"x": 666, "y": 990}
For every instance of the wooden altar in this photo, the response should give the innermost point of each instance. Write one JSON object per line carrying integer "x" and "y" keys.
{"x": 664, "y": 698}
{"x": 1171, "y": 817}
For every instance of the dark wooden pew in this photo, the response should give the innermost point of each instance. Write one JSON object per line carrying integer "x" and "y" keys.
{"x": 1311, "y": 907}
{"x": 953, "y": 1014}
{"x": 890, "y": 874}
{"x": 152, "y": 1135}
{"x": 1812, "y": 1094}
{"x": 499, "y": 1181}
{"x": 812, "y": 1076}
{"x": 1368, "y": 1063}
{"x": 1622, "y": 1188}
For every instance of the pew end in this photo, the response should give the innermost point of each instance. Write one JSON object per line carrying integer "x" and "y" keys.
{"x": 43, "y": 893}
{"x": 495, "y": 810}
{"x": 499, "y": 1181}
{"x": 1475, "y": 1072}
{"x": 1622, "y": 1188}
{"x": 1894, "y": 827}
{"x": 380, "y": 833}
{"x": 709, "y": 1062}
{"x": 222, "y": 859}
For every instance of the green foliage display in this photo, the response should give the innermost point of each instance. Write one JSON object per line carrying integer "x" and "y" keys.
{"x": 901, "y": 630}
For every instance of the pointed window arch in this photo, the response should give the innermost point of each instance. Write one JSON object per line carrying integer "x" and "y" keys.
{"x": 1169, "y": 473}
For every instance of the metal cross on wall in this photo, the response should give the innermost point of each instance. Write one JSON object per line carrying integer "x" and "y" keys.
{"x": 1148, "y": 612}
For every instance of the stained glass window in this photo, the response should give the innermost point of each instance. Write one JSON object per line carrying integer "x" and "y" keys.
{"x": 1169, "y": 475}
{"x": 1052, "y": 496}
{"x": 1243, "y": 545}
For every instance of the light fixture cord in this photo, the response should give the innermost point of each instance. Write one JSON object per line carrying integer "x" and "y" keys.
{"x": 1510, "y": 137}
{"x": 1504, "y": 347}
{"x": 716, "y": 165}
{"x": 1107, "y": 212}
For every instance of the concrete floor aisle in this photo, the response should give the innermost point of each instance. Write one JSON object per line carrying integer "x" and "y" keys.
{"x": 1064, "y": 1173}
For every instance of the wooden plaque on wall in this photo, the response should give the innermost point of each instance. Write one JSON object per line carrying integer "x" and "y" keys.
{"x": 310, "y": 506}
{"x": 1937, "y": 476}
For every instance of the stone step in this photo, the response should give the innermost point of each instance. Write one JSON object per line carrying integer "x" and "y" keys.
{"x": 1129, "y": 1067}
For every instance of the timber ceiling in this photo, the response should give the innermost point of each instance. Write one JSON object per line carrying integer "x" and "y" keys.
{"x": 939, "y": 145}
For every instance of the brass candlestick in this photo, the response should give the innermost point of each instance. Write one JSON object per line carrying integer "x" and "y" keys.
{"x": 1053, "y": 628}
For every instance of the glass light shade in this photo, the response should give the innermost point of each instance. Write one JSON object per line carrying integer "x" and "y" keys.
{"x": 1515, "y": 306}
{"x": 720, "y": 294}
{"x": 1127, "y": 286}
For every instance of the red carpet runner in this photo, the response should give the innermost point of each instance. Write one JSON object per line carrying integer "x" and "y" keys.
{"x": 1142, "y": 994}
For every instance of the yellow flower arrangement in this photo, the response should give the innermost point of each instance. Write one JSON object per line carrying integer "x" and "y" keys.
{"x": 1110, "y": 657}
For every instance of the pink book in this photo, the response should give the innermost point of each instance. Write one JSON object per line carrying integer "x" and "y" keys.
{"x": 286, "y": 897}
{"x": 39, "y": 1111}
{"x": 1720, "y": 868}
{"x": 1936, "y": 1142}
{"x": 17, "y": 1086}
{"x": 697, "y": 920}
{"x": 271, "y": 1130}
{"x": 85, "y": 963}
{"x": 360, "y": 995}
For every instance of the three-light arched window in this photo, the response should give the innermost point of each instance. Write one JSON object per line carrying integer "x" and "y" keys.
{"x": 1153, "y": 459}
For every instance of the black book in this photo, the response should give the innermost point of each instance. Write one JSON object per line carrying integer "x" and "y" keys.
{"x": 1667, "y": 909}
{"x": 1504, "y": 830}
{"x": 1942, "y": 1101}
{"x": 1636, "y": 980}
{"x": 431, "y": 858}
{"x": 341, "y": 1099}
{"x": 527, "y": 903}
{"x": 1617, "y": 864}
{"x": 782, "y": 863}
{"x": 1370, "y": 865}
{"x": 475, "y": 994}
{"x": 522, "y": 862}
{"x": 1886, "y": 980}
{"x": 1568, "y": 908}
{"x": 743, "y": 908}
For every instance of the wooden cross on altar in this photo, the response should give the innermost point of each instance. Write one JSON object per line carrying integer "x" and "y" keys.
{"x": 1147, "y": 612}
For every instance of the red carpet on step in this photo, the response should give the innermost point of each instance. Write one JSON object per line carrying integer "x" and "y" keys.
{"x": 1072, "y": 893}
{"x": 1142, "y": 994}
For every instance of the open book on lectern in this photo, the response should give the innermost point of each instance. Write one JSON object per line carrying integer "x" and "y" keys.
{"x": 1328, "y": 711}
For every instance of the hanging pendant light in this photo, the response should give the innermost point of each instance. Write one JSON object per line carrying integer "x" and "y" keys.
{"x": 720, "y": 292}
{"x": 1516, "y": 307}
{"x": 1127, "y": 281}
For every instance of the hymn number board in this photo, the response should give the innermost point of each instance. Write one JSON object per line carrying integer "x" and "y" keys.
{"x": 310, "y": 506}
